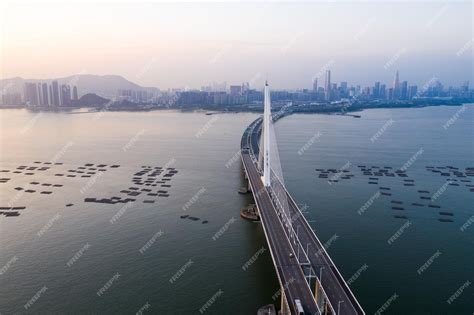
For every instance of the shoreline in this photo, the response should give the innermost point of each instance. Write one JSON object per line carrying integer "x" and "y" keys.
{"x": 339, "y": 109}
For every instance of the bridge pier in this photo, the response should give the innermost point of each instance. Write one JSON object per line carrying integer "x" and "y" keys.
{"x": 246, "y": 188}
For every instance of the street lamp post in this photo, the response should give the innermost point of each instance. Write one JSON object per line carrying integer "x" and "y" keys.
{"x": 339, "y": 306}
{"x": 297, "y": 233}
{"x": 321, "y": 275}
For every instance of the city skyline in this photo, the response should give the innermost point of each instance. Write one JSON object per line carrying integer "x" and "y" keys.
{"x": 318, "y": 81}
{"x": 433, "y": 40}
{"x": 54, "y": 95}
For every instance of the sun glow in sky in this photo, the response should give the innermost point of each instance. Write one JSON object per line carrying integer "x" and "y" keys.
{"x": 167, "y": 44}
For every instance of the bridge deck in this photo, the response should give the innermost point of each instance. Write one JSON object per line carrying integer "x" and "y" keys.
{"x": 290, "y": 275}
{"x": 333, "y": 284}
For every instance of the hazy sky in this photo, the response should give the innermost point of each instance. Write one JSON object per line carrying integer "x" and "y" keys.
{"x": 192, "y": 44}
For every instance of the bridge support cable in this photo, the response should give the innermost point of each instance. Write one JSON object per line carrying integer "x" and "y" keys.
{"x": 279, "y": 197}
{"x": 260, "y": 153}
{"x": 300, "y": 238}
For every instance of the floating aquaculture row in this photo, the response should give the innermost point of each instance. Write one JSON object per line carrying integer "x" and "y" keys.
{"x": 11, "y": 211}
{"x": 47, "y": 188}
{"x": 187, "y": 216}
{"x": 457, "y": 177}
{"x": 157, "y": 176}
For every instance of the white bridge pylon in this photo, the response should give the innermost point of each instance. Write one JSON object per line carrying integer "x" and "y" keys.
{"x": 269, "y": 167}
{"x": 269, "y": 157}
{"x": 267, "y": 121}
{"x": 272, "y": 179}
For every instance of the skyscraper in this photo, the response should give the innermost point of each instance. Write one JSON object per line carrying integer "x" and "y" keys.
{"x": 382, "y": 91}
{"x": 40, "y": 94}
{"x": 44, "y": 87}
{"x": 50, "y": 95}
{"x": 404, "y": 90}
{"x": 65, "y": 95}
{"x": 74, "y": 93}
{"x": 344, "y": 85}
{"x": 327, "y": 85}
{"x": 55, "y": 96}
{"x": 412, "y": 91}
{"x": 396, "y": 86}
{"x": 315, "y": 84}
{"x": 390, "y": 94}
{"x": 31, "y": 94}
{"x": 377, "y": 89}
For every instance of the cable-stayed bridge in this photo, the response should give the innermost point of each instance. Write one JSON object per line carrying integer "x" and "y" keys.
{"x": 310, "y": 282}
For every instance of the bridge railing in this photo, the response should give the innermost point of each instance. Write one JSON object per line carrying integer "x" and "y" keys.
{"x": 292, "y": 234}
{"x": 323, "y": 301}
{"x": 331, "y": 266}
{"x": 338, "y": 274}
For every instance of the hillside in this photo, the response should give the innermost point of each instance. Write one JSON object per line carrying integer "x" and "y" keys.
{"x": 103, "y": 85}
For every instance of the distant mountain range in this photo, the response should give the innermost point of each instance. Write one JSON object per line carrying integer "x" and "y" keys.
{"x": 103, "y": 85}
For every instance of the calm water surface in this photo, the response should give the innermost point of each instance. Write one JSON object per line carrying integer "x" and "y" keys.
{"x": 361, "y": 242}
{"x": 185, "y": 264}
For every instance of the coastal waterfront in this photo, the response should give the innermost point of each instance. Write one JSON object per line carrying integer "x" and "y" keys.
{"x": 203, "y": 149}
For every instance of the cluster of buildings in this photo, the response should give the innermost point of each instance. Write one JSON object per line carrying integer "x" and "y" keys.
{"x": 215, "y": 95}
{"x": 399, "y": 90}
{"x": 333, "y": 92}
{"x": 49, "y": 95}
{"x": 329, "y": 92}
{"x": 11, "y": 99}
{"x": 236, "y": 94}
{"x": 136, "y": 96}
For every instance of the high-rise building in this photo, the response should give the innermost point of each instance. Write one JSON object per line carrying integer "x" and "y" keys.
{"x": 56, "y": 99}
{"x": 382, "y": 91}
{"x": 343, "y": 90}
{"x": 396, "y": 86}
{"x": 344, "y": 86}
{"x": 390, "y": 93}
{"x": 50, "y": 95}
{"x": 31, "y": 94}
{"x": 412, "y": 91}
{"x": 315, "y": 84}
{"x": 74, "y": 93}
{"x": 44, "y": 88}
{"x": 40, "y": 94}
{"x": 65, "y": 95}
{"x": 327, "y": 86}
{"x": 404, "y": 90}
{"x": 376, "y": 93}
